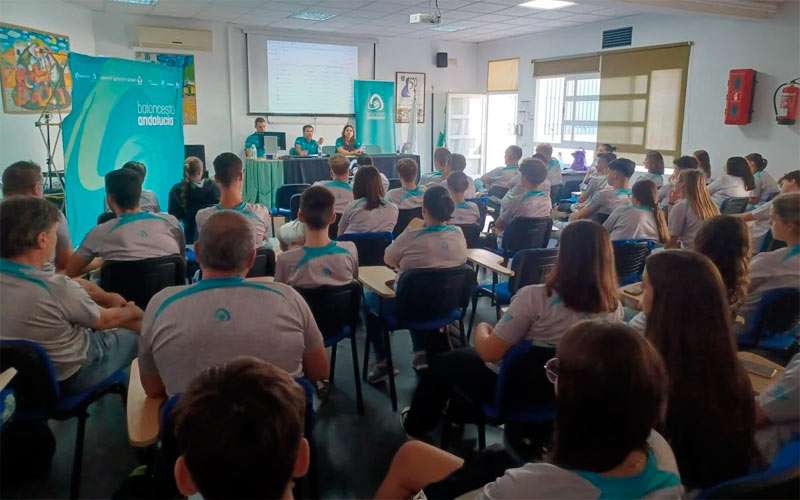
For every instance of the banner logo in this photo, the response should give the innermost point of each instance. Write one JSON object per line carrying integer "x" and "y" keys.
{"x": 375, "y": 103}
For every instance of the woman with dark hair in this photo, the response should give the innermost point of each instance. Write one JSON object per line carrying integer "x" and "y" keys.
{"x": 725, "y": 240}
{"x": 436, "y": 244}
{"x": 190, "y": 195}
{"x": 611, "y": 391}
{"x": 347, "y": 144}
{"x": 369, "y": 212}
{"x": 736, "y": 182}
{"x": 582, "y": 285}
{"x": 690, "y": 206}
{"x": 654, "y": 163}
{"x": 765, "y": 186}
{"x": 703, "y": 162}
{"x": 710, "y": 418}
{"x": 642, "y": 219}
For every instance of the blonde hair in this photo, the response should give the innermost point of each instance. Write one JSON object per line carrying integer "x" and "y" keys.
{"x": 696, "y": 194}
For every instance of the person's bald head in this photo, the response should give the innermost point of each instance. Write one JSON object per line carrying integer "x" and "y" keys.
{"x": 226, "y": 243}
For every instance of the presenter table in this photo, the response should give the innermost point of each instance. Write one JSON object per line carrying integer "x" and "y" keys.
{"x": 261, "y": 179}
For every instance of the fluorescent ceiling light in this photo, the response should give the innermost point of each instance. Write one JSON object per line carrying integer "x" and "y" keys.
{"x": 137, "y": 2}
{"x": 313, "y": 15}
{"x": 546, "y": 4}
{"x": 448, "y": 29}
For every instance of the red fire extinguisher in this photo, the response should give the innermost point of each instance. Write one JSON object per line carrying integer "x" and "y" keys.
{"x": 786, "y": 108}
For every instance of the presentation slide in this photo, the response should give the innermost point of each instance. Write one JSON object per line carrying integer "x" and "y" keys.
{"x": 310, "y": 78}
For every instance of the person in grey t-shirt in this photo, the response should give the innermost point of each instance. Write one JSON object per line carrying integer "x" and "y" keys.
{"x": 607, "y": 450}
{"x": 189, "y": 328}
{"x": 25, "y": 178}
{"x": 134, "y": 234}
{"x": 61, "y": 315}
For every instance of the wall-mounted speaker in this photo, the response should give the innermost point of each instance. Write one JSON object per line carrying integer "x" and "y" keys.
{"x": 441, "y": 59}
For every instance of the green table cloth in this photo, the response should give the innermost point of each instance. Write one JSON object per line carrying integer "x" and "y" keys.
{"x": 261, "y": 179}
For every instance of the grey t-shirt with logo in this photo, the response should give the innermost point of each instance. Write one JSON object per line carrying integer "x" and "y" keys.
{"x": 134, "y": 236}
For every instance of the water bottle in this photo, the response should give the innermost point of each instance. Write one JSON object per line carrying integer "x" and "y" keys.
{"x": 253, "y": 151}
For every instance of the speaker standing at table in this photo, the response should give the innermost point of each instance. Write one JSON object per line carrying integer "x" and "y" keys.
{"x": 256, "y": 138}
{"x": 305, "y": 144}
{"x": 347, "y": 144}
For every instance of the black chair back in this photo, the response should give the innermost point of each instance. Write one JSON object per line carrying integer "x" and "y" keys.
{"x": 139, "y": 280}
{"x": 283, "y": 196}
{"x": 35, "y": 387}
{"x": 333, "y": 229}
{"x": 294, "y": 205}
{"x": 404, "y": 216}
{"x": 423, "y": 294}
{"x": 525, "y": 383}
{"x": 264, "y": 264}
{"x": 472, "y": 233}
{"x": 105, "y": 217}
{"x": 555, "y": 193}
{"x": 570, "y": 187}
{"x": 732, "y": 206}
{"x": 526, "y": 232}
{"x": 334, "y": 307}
{"x": 395, "y": 183}
{"x": 630, "y": 257}
{"x": 531, "y": 266}
{"x": 370, "y": 246}
{"x": 482, "y": 209}
{"x": 778, "y": 311}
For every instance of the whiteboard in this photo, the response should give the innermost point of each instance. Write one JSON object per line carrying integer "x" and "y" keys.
{"x": 310, "y": 78}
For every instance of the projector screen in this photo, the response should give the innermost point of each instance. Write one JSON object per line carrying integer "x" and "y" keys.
{"x": 313, "y": 78}
{"x": 293, "y": 75}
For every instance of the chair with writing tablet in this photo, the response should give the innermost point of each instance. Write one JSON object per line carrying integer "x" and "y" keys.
{"x": 774, "y": 325}
{"x": 404, "y": 216}
{"x": 629, "y": 258}
{"x": 370, "y": 246}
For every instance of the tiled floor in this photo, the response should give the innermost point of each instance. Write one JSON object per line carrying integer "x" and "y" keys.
{"x": 353, "y": 452}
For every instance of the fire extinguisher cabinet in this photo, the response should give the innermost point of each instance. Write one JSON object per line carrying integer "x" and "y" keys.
{"x": 739, "y": 99}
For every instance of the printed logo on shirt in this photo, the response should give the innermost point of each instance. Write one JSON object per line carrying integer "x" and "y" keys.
{"x": 327, "y": 271}
{"x": 222, "y": 314}
{"x": 143, "y": 233}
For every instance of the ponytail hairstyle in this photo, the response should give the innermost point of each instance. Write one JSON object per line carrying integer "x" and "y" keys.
{"x": 646, "y": 193}
{"x": 757, "y": 160}
{"x": 192, "y": 166}
{"x": 737, "y": 166}
{"x": 696, "y": 194}
{"x": 703, "y": 161}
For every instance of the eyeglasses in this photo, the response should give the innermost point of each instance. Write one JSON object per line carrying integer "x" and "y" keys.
{"x": 551, "y": 370}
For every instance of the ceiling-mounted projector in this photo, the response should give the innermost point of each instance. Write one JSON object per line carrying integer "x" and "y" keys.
{"x": 425, "y": 18}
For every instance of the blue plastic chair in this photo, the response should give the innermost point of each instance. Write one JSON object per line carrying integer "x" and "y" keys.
{"x": 780, "y": 480}
{"x": 283, "y": 200}
{"x": 630, "y": 257}
{"x": 773, "y": 325}
{"x": 524, "y": 233}
{"x": 337, "y": 311}
{"x": 370, "y": 246}
{"x": 522, "y": 393}
{"x": 39, "y": 396}
{"x": 427, "y": 300}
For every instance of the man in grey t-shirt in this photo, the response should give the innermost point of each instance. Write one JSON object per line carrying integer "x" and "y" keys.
{"x": 61, "y": 315}
{"x": 189, "y": 328}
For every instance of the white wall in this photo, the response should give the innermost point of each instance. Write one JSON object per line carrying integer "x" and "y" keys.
{"x": 19, "y": 140}
{"x": 720, "y": 44}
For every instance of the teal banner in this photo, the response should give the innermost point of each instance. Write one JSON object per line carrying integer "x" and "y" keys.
{"x": 122, "y": 110}
{"x": 374, "y": 107}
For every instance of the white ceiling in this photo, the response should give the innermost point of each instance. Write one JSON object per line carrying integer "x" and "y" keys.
{"x": 475, "y": 21}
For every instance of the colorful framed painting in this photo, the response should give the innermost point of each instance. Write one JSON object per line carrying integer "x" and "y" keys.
{"x": 407, "y": 87}
{"x": 34, "y": 74}
{"x": 185, "y": 61}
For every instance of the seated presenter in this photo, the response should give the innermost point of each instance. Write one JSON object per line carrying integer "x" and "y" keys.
{"x": 347, "y": 144}
{"x": 255, "y": 139}
{"x": 305, "y": 144}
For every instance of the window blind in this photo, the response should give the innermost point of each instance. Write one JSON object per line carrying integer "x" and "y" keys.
{"x": 503, "y": 75}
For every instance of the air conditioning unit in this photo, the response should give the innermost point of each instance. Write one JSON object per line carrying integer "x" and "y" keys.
{"x": 172, "y": 38}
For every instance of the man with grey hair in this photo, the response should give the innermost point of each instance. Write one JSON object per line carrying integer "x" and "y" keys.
{"x": 67, "y": 319}
{"x": 189, "y": 328}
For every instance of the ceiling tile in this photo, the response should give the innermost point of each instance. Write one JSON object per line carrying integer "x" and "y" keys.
{"x": 584, "y": 18}
{"x": 484, "y": 7}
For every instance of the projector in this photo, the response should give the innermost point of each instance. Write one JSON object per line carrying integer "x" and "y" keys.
{"x": 424, "y": 18}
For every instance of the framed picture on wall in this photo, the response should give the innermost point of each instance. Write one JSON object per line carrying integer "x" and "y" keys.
{"x": 409, "y": 88}
{"x": 35, "y": 74}
{"x": 185, "y": 61}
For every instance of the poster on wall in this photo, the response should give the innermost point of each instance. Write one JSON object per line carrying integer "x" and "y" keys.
{"x": 409, "y": 86}
{"x": 186, "y": 63}
{"x": 34, "y": 70}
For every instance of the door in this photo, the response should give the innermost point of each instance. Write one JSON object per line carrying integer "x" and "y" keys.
{"x": 465, "y": 129}
{"x": 501, "y": 122}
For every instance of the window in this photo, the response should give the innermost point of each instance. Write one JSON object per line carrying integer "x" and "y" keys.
{"x": 503, "y": 75}
{"x": 566, "y": 113}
